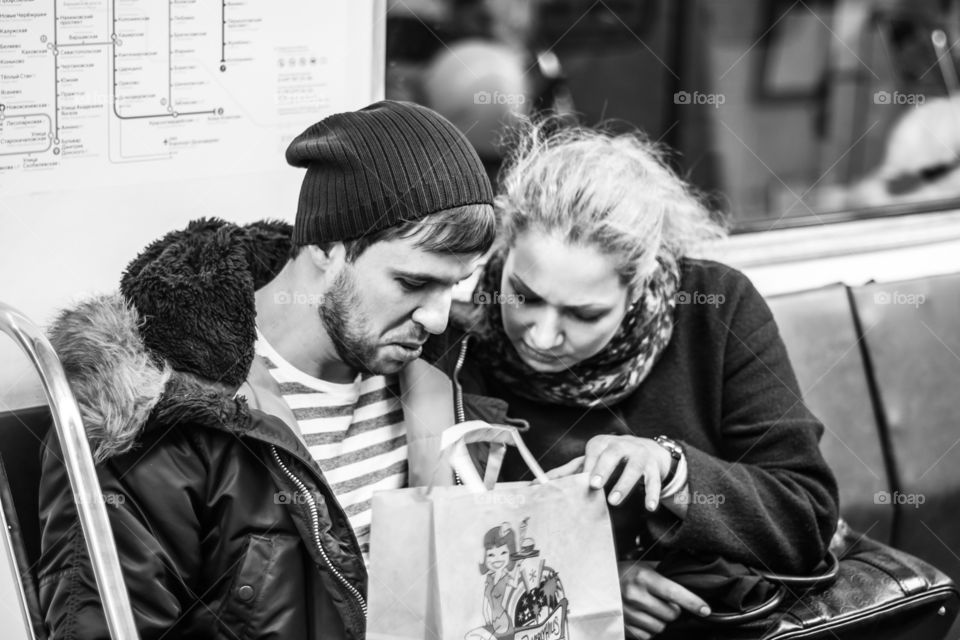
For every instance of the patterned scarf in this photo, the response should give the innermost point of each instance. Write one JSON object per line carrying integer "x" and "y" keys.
{"x": 604, "y": 378}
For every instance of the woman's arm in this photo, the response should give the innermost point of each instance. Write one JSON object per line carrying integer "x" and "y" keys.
{"x": 768, "y": 498}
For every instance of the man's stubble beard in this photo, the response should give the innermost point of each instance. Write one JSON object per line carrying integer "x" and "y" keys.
{"x": 345, "y": 324}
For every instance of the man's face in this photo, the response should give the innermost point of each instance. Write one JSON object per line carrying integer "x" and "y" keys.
{"x": 381, "y": 308}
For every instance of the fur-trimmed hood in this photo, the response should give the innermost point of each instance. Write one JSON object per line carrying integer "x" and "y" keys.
{"x": 120, "y": 386}
{"x": 195, "y": 290}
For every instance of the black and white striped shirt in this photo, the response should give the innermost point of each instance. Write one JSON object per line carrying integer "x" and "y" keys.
{"x": 354, "y": 431}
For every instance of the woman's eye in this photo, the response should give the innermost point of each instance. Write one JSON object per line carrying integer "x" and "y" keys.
{"x": 587, "y": 317}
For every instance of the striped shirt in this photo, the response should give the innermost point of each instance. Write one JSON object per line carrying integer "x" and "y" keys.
{"x": 354, "y": 431}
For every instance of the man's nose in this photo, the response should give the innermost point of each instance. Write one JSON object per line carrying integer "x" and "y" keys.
{"x": 434, "y": 313}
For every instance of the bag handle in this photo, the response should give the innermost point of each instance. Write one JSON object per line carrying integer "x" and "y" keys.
{"x": 784, "y": 583}
{"x": 454, "y": 442}
{"x": 760, "y": 611}
{"x": 824, "y": 579}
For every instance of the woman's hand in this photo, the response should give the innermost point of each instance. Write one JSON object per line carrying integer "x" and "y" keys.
{"x": 650, "y": 601}
{"x": 641, "y": 458}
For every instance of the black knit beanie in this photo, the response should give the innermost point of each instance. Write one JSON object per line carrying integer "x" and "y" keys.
{"x": 372, "y": 169}
{"x": 194, "y": 291}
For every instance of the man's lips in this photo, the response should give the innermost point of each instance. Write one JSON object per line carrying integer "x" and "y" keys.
{"x": 408, "y": 350}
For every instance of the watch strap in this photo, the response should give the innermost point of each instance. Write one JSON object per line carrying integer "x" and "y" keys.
{"x": 675, "y": 454}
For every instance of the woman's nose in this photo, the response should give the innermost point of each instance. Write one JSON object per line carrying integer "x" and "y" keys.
{"x": 545, "y": 334}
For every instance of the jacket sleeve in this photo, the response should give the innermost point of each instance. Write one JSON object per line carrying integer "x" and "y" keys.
{"x": 153, "y": 551}
{"x": 768, "y": 499}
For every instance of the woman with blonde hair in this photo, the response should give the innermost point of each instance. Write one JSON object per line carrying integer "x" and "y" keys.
{"x": 662, "y": 376}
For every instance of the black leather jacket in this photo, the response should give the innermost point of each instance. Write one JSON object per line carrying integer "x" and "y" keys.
{"x": 224, "y": 524}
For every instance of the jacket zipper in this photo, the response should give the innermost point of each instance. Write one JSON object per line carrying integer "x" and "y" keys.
{"x": 458, "y": 395}
{"x": 458, "y": 398}
{"x": 519, "y": 423}
{"x": 315, "y": 524}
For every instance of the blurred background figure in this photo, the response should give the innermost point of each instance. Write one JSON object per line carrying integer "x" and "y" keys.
{"x": 921, "y": 160}
{"x": 778, "y": 110}
{"x": 479, "y": 85}
{"x": 473, "y": 62}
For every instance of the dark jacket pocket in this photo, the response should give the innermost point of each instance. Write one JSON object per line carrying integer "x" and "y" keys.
{"x": 244, "y": 603}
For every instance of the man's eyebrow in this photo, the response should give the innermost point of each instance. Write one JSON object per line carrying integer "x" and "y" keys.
{"x": 426, "y": 277}
{"x": 516, "y": 280}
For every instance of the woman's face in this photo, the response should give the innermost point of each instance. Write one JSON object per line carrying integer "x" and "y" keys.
{"x": 572, "y": 301}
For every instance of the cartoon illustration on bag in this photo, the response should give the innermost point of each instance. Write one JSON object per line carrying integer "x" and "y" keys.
{"x": 523, "y": 599}
{"x": 497, "y": 566}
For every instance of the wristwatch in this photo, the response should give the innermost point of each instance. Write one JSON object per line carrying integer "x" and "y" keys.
{"x": 676, "y": 453}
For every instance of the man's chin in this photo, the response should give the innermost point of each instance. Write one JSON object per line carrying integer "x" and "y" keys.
{"x": 384, "y": 367}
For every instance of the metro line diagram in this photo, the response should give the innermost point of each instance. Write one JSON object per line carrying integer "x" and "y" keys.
{"x": 168, "y": 102}
{"x": 101, "y": 94}
{"x": 160, "y": 57}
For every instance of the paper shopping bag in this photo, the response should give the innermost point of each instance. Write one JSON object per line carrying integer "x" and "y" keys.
{"x": 400, "y": 593}
{"x": 520, "y": 561}
{"x": 527, "y": 562}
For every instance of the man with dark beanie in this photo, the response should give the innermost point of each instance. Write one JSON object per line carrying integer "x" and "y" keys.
{"x": 240, "y": 483}
{"x": 394, "y": 210}
{"x": 224, "y": 525}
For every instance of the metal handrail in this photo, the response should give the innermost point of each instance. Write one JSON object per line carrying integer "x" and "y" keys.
{"x": 10, "y": 557}
{"x": 80, "y": 469}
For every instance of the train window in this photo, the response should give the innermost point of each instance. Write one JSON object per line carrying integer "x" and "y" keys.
{"x": 783, "y": 113}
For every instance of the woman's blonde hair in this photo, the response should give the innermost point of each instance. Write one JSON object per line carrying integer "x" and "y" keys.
{"x": 596, "y": 188}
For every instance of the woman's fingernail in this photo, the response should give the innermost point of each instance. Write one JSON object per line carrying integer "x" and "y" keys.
{"x": 615, "y": 497}
{"x": 596, "y": 482}
{"x": 704, "y": 611}
{"x": 651, "y": 506}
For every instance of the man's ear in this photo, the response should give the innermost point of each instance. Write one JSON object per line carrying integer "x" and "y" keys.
{"x": 329, "y": 261}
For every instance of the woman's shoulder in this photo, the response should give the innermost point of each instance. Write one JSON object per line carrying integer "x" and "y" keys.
{"x": 720, "y": 294}
{"x": 717, "y": 276}
{"x": 715, "y": 289}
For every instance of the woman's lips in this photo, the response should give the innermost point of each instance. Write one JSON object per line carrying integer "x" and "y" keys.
{"x": 539, "y": 356}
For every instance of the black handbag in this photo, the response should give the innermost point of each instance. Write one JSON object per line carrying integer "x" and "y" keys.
{"x": 867, "y": 591}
